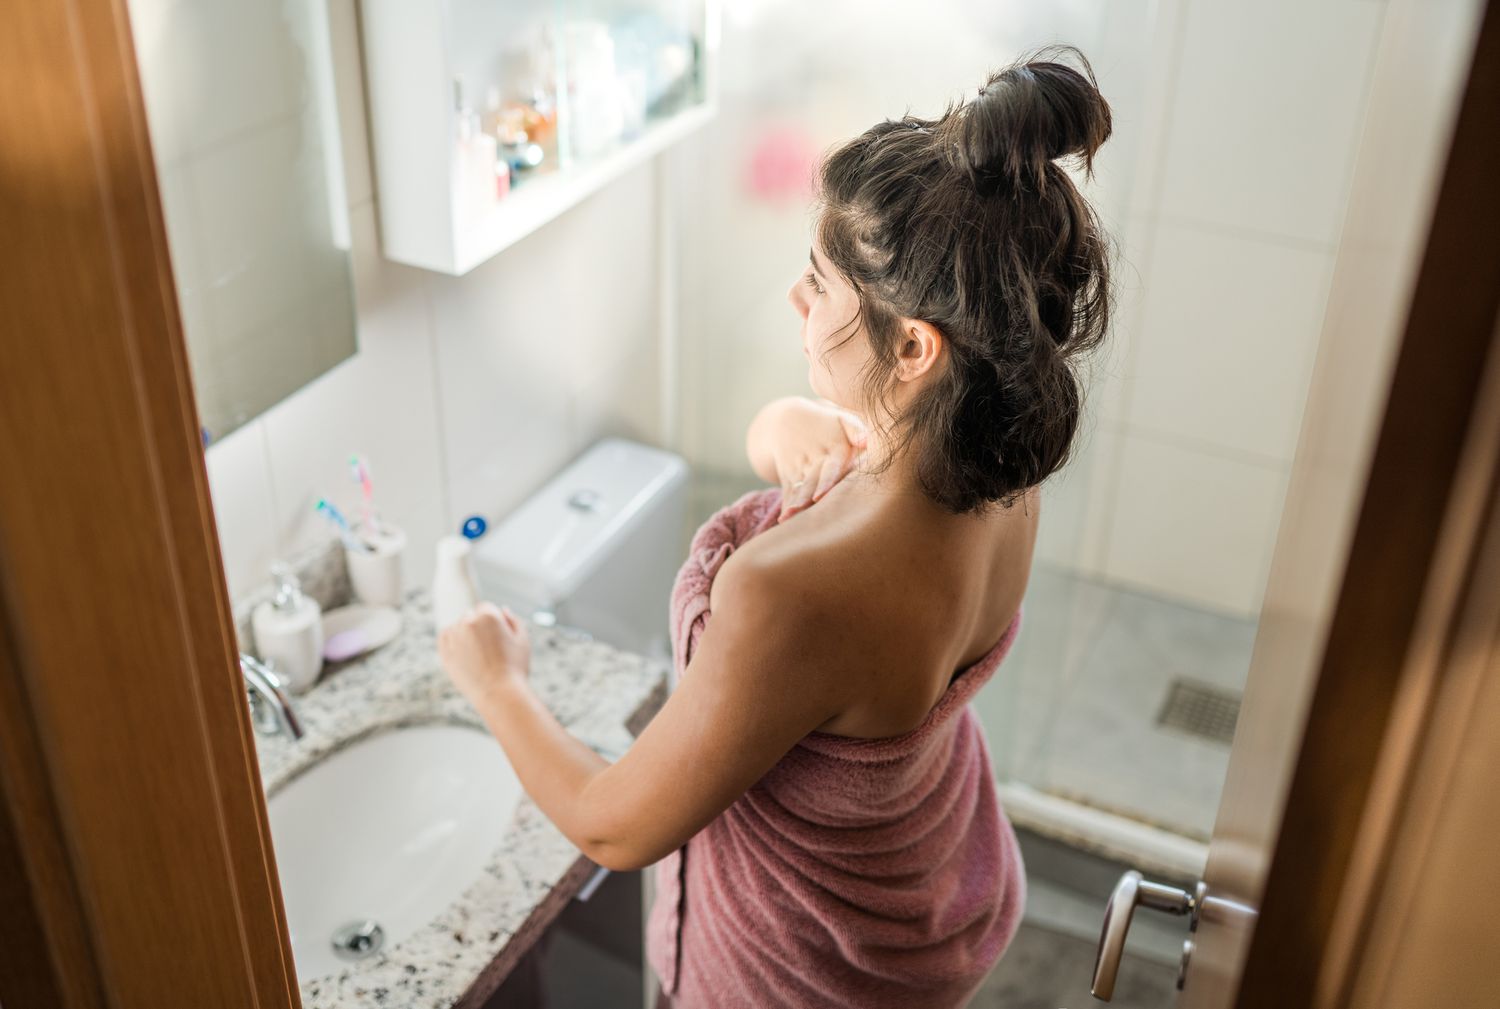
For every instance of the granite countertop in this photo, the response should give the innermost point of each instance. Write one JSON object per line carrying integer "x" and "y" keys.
{"x": 604, "y": 696}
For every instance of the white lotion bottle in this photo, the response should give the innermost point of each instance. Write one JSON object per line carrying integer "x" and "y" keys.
{"x": 288, "y": 631}
{"x": 454, "y": 591}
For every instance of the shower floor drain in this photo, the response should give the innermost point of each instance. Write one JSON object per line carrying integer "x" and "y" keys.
{"x": 1204, "y": 711}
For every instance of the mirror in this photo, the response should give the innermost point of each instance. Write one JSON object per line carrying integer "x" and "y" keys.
{"x": 244, "y": 128}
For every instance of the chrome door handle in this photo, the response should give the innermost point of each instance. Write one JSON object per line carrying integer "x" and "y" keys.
{"x": 1131, "y": 890}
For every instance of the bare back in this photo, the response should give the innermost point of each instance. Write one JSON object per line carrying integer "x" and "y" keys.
{"x": 926, "y": 593}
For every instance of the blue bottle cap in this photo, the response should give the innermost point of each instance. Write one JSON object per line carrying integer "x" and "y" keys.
{"x": 474, "y": 527}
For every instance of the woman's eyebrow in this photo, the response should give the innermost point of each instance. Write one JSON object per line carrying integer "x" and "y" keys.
{"x": 813, "y": 259}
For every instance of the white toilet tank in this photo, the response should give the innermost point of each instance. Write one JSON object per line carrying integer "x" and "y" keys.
{"x": 596, "y": 547}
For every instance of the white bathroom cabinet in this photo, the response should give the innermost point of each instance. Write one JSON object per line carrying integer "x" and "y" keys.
{"x": 593, "y": 87}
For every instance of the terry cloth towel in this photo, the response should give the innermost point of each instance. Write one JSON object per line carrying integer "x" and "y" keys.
{"x": 856, "y": 872}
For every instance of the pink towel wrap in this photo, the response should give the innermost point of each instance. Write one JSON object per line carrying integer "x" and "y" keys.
{"x": 856, "y": 872}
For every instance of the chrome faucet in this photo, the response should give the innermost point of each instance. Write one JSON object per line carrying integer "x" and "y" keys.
{"x": 270, "y": 708}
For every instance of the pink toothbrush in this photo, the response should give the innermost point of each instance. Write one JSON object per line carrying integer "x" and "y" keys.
{"x": 367, "y": 493}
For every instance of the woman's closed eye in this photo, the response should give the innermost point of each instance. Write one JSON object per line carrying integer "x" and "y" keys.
{"x": 812, "y": 283}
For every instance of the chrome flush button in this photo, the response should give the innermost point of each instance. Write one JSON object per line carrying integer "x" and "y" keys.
{"x": 585, "y": 500}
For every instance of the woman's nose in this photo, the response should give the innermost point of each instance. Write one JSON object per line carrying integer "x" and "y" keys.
{"x": 794, "y": 295}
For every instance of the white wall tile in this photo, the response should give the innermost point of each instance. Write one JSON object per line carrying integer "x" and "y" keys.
{"x": 514, "y": 466}
{"x": 1074, "y": 524}
{"x": 518, "y": 334}
{"x": 1192, "y": 525}
{"x": 1123, "y": 58}
{"x": 623, "y": 400}
{"x": 604, "y": 284}
{"x": 1267, "y": 107}
{"x": 380, "y": 403}
{"x": 239, "y": 481}
{"x": 1109, "y": 376}
{"x": 1227, "y": 336}
{"x": 502, "y": 357}
{"x": 1144, "y": 120}
{"x": 759, "y": 359}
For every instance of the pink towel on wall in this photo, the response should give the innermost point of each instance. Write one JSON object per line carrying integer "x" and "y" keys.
{"x": 854, "y": 873}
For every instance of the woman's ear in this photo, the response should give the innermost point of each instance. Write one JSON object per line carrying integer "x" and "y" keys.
{"x": 921, "y": 345}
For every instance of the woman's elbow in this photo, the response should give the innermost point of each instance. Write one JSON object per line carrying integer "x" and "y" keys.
{"x": 618, "y": 857}
{"x": 616, "y": 840}
{"x": 760, "y": 434}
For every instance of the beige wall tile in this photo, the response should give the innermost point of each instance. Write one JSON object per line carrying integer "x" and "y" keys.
{"x": 1192, "y": 525}
{"x": 1226, "y": 339}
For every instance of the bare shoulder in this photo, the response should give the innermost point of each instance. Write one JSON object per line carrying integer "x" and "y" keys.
{"x": 783, "y": 574}
{"x": 796, "y": 563}
{"x": 827, "y": 591}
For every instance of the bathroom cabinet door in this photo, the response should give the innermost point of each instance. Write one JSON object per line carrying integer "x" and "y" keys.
{"x": 1347, "y": 866}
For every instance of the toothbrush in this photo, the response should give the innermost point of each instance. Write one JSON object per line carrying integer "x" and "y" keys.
{"x": 333, "y": 515}
{"x": 367, "y": 492}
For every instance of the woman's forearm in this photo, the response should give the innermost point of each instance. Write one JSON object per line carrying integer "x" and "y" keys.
{"x": 554, "y": 767}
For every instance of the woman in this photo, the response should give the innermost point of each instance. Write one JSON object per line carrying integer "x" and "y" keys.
{"x": 816, "y": 791}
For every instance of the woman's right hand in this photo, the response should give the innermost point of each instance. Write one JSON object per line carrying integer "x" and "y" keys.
{"x": 815, "y": 446}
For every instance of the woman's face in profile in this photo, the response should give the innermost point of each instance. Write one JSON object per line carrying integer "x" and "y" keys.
{"x": 835, "y": 345}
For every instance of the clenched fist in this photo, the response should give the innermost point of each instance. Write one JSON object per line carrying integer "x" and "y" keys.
{"x": 486, "y": 648}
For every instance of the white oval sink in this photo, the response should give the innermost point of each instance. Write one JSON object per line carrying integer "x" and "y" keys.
{"x": 389, "y": 830}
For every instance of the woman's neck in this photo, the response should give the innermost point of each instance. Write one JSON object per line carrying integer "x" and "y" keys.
{"x": 896, "y": 481}
{"x": 896, "y": 485}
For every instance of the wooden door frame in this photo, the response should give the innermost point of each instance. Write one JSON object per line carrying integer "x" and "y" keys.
{"x": 135, "y": 863}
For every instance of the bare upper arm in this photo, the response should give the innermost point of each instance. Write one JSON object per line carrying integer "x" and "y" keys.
{"x": 764, "y": 675}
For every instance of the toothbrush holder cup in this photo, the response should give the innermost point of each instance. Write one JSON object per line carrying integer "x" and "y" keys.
{"x": 376, "y": 575}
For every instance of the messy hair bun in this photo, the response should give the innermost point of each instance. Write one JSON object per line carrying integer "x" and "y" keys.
{"x": 1025, "y": 117}
{"x": 968, "y": 221}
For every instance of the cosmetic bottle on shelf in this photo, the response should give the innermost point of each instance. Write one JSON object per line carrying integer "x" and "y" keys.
{"x": 597, "y": 119}
{"x": 475, "y": 187}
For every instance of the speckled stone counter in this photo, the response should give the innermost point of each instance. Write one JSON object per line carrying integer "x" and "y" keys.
{"x": 604, "y": 696}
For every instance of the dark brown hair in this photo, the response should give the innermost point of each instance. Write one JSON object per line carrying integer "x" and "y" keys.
{"x": 967, "y": 221}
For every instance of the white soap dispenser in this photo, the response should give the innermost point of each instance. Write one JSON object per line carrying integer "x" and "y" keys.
{"x": 288, "y": 630}
{"x": 454, "y": 592}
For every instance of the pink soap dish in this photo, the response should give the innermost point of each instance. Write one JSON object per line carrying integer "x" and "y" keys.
{"x": 356, "y": 629}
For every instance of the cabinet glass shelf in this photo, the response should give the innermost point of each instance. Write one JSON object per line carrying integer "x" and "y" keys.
{"x": 489, "y": 119}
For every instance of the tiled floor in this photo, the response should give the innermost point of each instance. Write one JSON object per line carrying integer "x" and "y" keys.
{"x": 1043, "y": 969}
